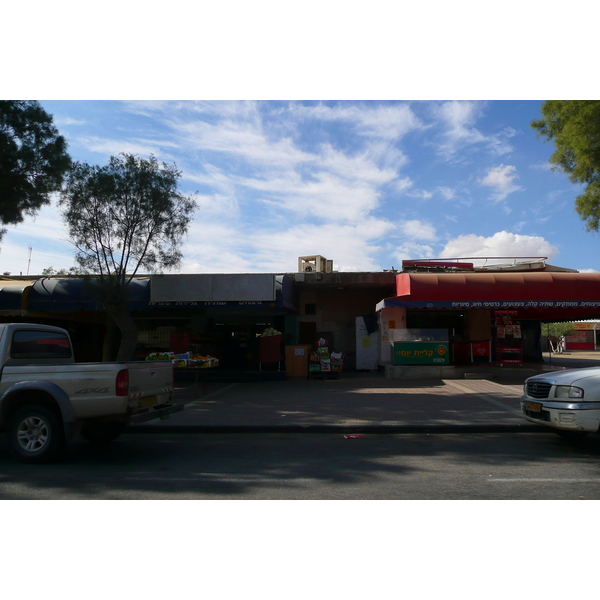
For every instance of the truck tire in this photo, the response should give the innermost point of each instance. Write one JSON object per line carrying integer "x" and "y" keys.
{"x": 102, "y": 433}
{"x": 35, "y": 434}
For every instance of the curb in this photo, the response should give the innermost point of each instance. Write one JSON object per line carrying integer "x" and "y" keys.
{"x": 373, "y": 429}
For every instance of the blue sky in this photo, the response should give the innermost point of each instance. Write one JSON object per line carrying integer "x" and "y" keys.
{"x": 329, "y": 130}
{"x": 365, "y": 183}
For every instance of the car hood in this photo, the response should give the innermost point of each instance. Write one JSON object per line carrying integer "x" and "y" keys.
{"x": 567, "y": 377}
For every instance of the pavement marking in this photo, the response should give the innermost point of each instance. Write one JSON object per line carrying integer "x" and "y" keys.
{"x": 543, "y": 480}
{"x": 464, "y": 388}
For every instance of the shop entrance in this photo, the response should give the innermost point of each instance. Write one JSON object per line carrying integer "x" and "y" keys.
{"x": 236, "y": 340}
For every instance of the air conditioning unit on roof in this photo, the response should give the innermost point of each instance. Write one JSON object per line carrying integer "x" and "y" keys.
{"x": 314, "y": 264}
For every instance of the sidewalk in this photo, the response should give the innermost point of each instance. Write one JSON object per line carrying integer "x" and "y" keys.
{"x": 362, "y": 402}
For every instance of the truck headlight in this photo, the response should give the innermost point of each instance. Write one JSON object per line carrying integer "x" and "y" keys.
{"x": 568, "y": 391}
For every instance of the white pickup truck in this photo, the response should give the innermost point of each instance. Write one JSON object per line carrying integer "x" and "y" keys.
{"x": 567, "y": 401}
{"x": 47, "y": 400}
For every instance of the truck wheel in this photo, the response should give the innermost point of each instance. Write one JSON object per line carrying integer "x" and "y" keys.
{"x": 102, "y": 433}
{"x": 35, "y": 434}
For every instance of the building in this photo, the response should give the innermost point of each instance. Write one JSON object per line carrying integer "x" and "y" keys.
{"x": 490, "y": 312}
{"x": 497, "y": 307}
{"x": 586, "y": 336}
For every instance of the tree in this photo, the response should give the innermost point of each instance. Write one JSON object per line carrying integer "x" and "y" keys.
{"x": 574, "y": 125}
{"x": 121, "y": 218}
{"x": 33, "y": 159}
{"x": 52, "y": 272}
{"x": 554, "y": 331}
{"x": 558, "y": 329}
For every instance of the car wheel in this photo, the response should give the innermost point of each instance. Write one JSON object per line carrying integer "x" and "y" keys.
{"x": 102, "y": 433}
{"x": 35, "y": 434}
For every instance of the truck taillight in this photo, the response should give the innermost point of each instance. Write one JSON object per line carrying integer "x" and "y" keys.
{"x": 123, "y": 383}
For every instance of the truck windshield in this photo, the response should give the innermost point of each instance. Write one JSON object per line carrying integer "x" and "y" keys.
{"x": 40, "y": 344}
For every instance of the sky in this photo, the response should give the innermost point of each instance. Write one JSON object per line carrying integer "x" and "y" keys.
{"x": 365, "y": 183}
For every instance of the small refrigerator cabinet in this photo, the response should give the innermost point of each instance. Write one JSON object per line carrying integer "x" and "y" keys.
{"x": 367, "y": 347}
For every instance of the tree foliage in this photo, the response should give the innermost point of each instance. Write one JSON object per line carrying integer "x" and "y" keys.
{"x": 558, "y": 329}
{"x": 574, "y": 126}
{"x": 52, "y": 272}
{"x": 33, "y": 159}
{"x": 124, "y": 219}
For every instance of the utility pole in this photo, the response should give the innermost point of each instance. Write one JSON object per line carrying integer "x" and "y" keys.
{"x": 29, "y": 261}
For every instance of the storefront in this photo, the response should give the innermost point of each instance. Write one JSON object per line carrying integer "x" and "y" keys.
{"x": 504, "y": 310}
{"x": 220, "y": 315}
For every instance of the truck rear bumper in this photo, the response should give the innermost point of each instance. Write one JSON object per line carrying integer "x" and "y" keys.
{"x": 570, "y": 416}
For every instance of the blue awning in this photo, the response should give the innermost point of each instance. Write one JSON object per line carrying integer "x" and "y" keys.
{"x": 12, "y": 298}
{"x": 75, "y": 294}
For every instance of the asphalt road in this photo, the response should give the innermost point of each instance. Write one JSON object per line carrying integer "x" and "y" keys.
{"x": 315, "y": 466}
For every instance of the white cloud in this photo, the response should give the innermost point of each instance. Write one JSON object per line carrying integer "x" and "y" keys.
{"x": 412, "y": 250}
{"x": 543, "y": 166}
{"x": 422, "y": 194}
{"x": 418, "y": 230}
{"x": 501, "y": 243}
{"x": 63, "y": 121}
{"x": 403, "y": 184}
{"x": 458, "y": 118}
{"x": 112, "y": 147}
{"x": 324, "y": 196}
{"x": 47, "y": 237}
{"x": 446, "y": 192}
{"x": 242, "y": 139}
{"x": 358, "y": 167}
{"x": 368, "y": 119}
{"x": 501, "y": 179}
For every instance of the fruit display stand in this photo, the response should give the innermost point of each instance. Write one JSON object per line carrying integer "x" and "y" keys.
{"x": 188, "y": 362}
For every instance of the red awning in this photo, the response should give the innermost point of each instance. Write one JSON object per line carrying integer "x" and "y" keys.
{"x": 538, "y": 295}
{"x": 499, "y": 286}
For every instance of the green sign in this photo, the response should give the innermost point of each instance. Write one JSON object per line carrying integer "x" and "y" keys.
{"x": 421, "y": 353}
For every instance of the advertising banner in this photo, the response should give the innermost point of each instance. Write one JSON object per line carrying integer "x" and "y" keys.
{"x": 421, "y": 353}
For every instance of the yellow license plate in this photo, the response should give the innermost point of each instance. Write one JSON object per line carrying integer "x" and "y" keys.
{"x": 149, "y": 400}
{"x": 533, "y": 406}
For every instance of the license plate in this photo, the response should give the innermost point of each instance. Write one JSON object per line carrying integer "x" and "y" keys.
{"x": 149, "y": 400}
{"x": 533, "y": 406}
